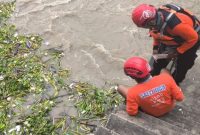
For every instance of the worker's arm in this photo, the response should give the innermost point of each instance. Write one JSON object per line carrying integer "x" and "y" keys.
{"x": 123, "y": 90}
{"x": 131, "y": 106}
{"x": 176, "y": 91}
{"x": 155, "y": 41}
{"x": 187, "y": 33}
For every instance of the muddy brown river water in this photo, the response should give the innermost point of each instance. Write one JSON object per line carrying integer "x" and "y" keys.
{"x": 96, "y": 35}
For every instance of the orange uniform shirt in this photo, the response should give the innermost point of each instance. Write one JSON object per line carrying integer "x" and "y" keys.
{"x": 155, "y": 97}
{"x": 184, "y": 30}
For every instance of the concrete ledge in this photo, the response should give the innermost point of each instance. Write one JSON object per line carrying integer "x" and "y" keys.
{"x": 142, "y": 124}
{"x": 104, "y": 131}
{"x": 184, "y": 119}
{"x": 124, "y": 127}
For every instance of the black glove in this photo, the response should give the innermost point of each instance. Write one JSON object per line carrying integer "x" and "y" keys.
{"x": 173, "y": 54}
{"x": 155, "y": 51}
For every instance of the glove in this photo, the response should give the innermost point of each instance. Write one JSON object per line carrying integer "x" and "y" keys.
{"x": 172, "y": 54}
{"x": 155, "y": 51}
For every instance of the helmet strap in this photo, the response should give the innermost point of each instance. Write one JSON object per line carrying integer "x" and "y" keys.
{"x": 159, "y": 20}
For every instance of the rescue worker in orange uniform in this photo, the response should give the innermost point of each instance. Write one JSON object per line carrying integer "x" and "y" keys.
{"x": 175, "y": 32}
{"x": 154, "y": 95}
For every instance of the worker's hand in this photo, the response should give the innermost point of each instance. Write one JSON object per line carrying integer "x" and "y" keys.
{"x": 155, "y": 51}
{"x": 172, "y": 54}
{"x": 160, "y": 56}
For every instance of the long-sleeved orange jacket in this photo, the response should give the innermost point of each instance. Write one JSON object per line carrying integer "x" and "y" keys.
{"x": 180, "y": 27}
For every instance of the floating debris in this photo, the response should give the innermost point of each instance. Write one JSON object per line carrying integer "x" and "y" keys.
{"x": 28, "y": 44}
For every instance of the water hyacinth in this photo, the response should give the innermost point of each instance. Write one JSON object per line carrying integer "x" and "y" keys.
{"x": 1, "y": 77}
{"x": 25, "y": 81}
{"x": 23, "y": 73}
{"x": 93, "y": 101}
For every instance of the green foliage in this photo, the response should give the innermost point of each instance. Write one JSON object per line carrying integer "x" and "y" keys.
{"x": 38, "y": 122}
{"x": 5, "y": 10}
{"x": 24, "y": 76}
{"x": 93, "y": 102}
{"x": 23, "y": 73}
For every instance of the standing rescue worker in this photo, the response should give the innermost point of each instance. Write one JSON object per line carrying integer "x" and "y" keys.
{"x": 154, "y": 95}
{"x": 175, "y": 33}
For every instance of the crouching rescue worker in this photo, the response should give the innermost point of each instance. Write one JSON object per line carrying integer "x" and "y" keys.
{"x": 175, "y": 32}
{"x": 153, "y": 95}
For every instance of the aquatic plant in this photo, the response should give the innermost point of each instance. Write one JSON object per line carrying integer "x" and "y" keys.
{"x": 30, "y": 81}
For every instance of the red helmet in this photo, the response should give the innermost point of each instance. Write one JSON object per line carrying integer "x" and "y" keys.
{"x": 143, "y": 14}
{"x": 137, "y": 67}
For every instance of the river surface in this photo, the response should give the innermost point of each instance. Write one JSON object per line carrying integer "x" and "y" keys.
{"x": 96, "y": 35}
